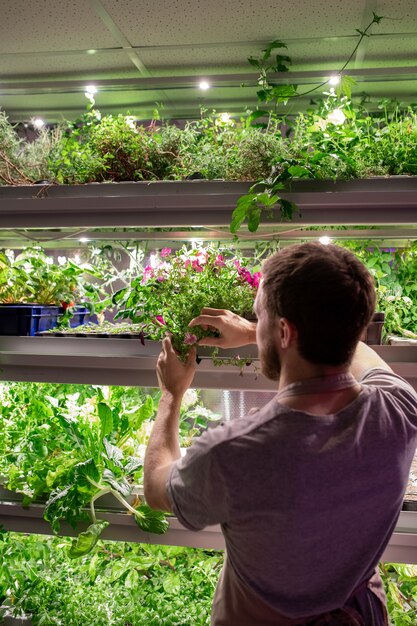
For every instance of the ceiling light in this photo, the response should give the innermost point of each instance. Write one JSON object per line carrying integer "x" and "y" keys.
{"x": 204, "y": 85}
{"x": 224, "y": 117}
{"x": 92, "y": 51}
{"x": 325, "y": 240}
{"x": 334, "y": 80}
{"x": 91, "y": 89}
{"x": 38, "y": 123}
{"x": 83, "y": 239}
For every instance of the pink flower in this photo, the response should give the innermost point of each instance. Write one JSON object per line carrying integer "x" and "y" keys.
{"x": 219, "y": 262}
{"x": 160, "y": 320}
{"x": 148, "y": 273}
{"x": 190, "y": 339}
{"x": 256, "y": 278}
{"x": 165, "y": 252}
{"x": 160, "y": 279}
{"x": 187, "y": 263}
{"x": 196, "y": 266}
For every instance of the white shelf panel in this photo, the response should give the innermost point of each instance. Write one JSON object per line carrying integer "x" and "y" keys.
{"x": 402, "y": 547}
{"x": 210, "y": 203}
{"x": 127, "y": 362}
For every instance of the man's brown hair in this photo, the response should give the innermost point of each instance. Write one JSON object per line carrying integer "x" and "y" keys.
{"x": 326, "y": 292}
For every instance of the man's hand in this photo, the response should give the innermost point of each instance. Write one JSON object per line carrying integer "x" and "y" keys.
{"x": 175, "y": 376}
{"x": 234, "y": 330}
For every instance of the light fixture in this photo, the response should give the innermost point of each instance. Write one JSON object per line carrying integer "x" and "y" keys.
{"x": 204, "y": 85}
{"x": 325, "y": 240}
{"x": 92, "y": 51}
{"x": 91, "y": 89}
{"x": 334, "y": 80}
{"x": 38, "y": 123}
{"x": 83, "y": 239}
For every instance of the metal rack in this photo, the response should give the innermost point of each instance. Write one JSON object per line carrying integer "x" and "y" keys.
{"x": 387, "y": 203}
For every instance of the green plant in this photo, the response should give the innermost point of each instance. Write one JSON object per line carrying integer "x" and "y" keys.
{"x": 400, "y": 583}
{"x": 121, "y": 585}
{"x": 22, "y": 162}
{"x": 395, "y": 275}
{"x": 74, "y": 444}
{"x": 174, "y": 287}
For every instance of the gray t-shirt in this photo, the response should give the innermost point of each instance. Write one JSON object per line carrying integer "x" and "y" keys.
{"x": 306, "y": 503}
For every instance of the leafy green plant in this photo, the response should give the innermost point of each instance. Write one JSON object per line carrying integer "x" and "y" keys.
{"x": 174, "y": 287}
{"x": 400, "y": 583}
{"x": 33, "y": 277}
{"x": 73, "y": 444}
{"x": 395, "y": 275}
{"x": 121, "y": 585}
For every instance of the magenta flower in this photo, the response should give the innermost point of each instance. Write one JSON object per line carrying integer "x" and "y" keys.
{"x": 187, "y": 263}
{"x": 148, "y": 273}
{"x": 219, "y": 262}
{"x": 160, "y": 279}
{"x": 196, "y": 266}
{"x": 160, "y": 320}
{"x": 256, "y": 279}
{"x": 165, "y": 252}
{"x": 190, "y": 339}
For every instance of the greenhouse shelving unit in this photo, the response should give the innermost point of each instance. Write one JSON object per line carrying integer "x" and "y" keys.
{"x": 385, "y": 207}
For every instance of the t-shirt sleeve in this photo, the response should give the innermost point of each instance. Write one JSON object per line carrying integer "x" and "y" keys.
{"x": 196, "y": 485}
{"x": 400, "y": 390}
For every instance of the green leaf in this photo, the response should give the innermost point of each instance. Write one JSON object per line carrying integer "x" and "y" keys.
{"x": 82, "y": 472}
{"x": 132, "y": 579}
{"x": 86, "y": 540}
{"x": 255, "y": 115}
{"x": 113, "y": 453}
{"x": 151, "y": 521}
{"x": 121, "y": 485}
{"x": 254, "y": 62}
{"x": 280, "y": 93}
{"x": 254, "y": 218}
{"x": 106, "y": 418}
{"x": 172, "y": 584}
{"x": 277, "y": 43}
{"x": 287, "y": 208}
{"x": 241, "y": 211}
{"x": 344, "y": 88}
{"x": 297, "y": 171}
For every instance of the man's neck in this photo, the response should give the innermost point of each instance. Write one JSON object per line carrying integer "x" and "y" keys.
{"x": 302, "y": 370}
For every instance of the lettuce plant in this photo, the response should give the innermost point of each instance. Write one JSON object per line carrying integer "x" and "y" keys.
{"x": 73, "y": 444}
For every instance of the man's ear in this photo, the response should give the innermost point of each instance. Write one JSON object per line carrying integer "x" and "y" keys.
{"x": 287, "y": 332}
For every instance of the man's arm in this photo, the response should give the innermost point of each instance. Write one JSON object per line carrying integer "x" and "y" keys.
{"x": 163, "y": 449}
{"x": 365, "y": 359}
{"x": 234, "y": 331}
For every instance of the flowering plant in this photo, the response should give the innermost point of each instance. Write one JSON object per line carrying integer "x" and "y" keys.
{"x": 175, "y": 286}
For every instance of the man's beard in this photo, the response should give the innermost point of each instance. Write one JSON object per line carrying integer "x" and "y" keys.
{"x": 270, "y": 362}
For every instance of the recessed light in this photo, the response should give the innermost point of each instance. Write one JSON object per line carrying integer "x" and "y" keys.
{"x": 334, "y": 80}
{"x": 204, "y": 85}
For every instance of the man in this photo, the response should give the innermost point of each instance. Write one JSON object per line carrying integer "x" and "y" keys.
{"x": 307, "y": 489}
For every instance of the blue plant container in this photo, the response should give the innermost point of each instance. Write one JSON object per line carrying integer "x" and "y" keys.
{"x": 30, "y": 319}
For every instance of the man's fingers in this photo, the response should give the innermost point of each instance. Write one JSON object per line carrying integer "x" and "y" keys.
{"x": 210, "y": 341}
{"x": 191, "y": 356}
{"x": 206, "y": 320}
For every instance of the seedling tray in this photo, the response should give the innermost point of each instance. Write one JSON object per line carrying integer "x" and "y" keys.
{"x": 31, "y": 319}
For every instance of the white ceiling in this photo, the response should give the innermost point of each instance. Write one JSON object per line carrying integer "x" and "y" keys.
{"x": 142, "y": 52}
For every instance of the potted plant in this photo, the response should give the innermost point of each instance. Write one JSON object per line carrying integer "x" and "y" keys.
{"x": 35, "y": 291}
{"x": 175, "y": 286}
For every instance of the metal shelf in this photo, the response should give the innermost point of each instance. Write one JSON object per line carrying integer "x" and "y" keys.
{"x": 210, "y": 203}
{"x": 402, "y": 547}
{"x": 127, "y": 362}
